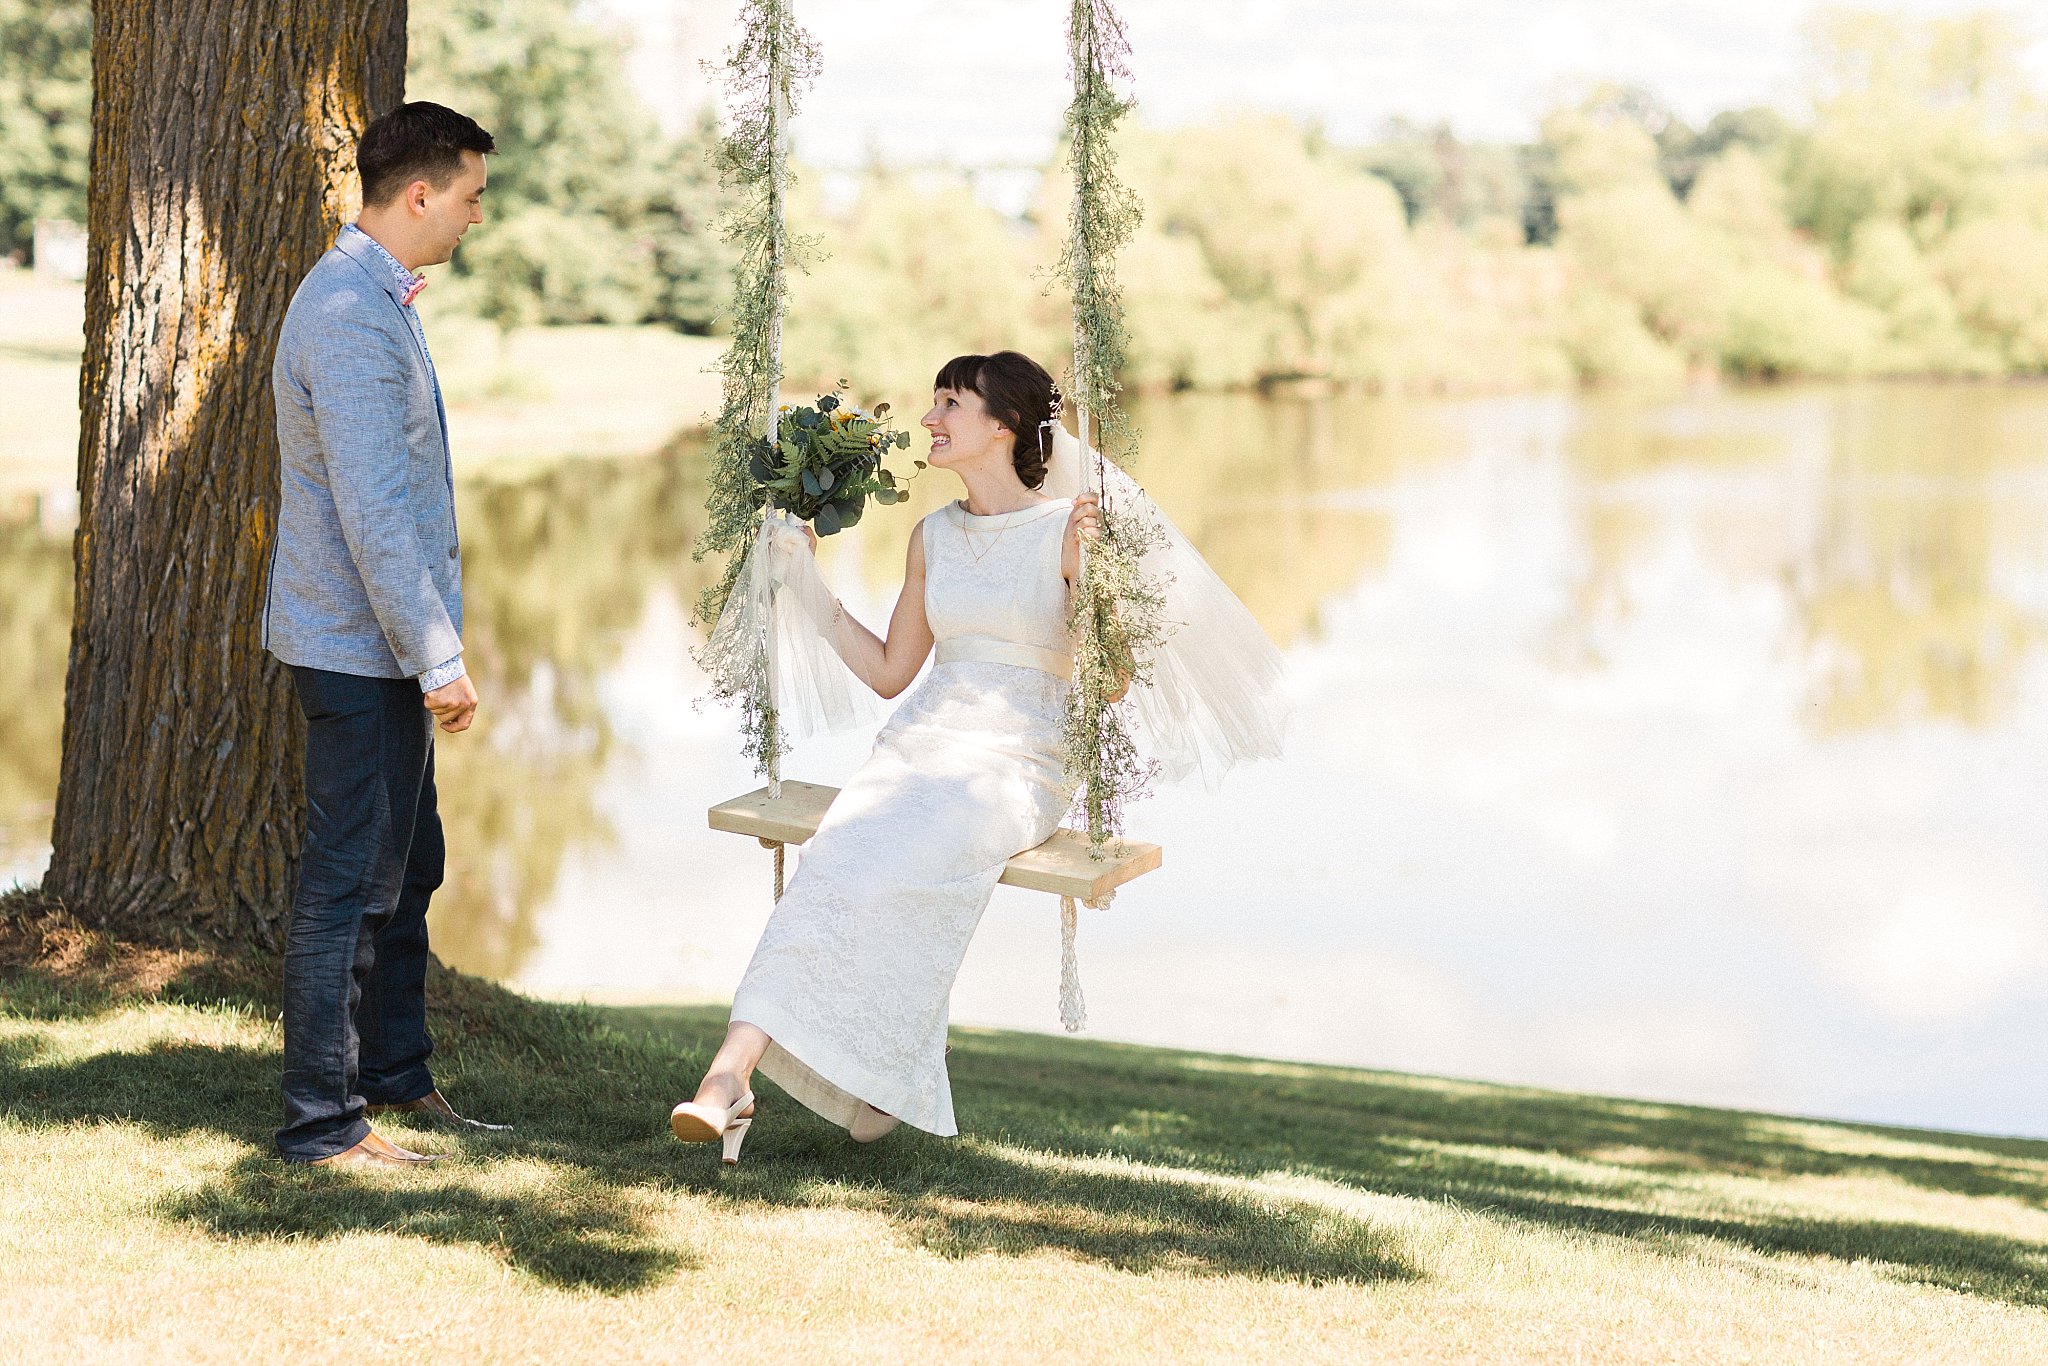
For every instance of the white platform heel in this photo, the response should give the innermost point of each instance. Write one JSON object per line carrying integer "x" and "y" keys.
{"x": 725, "y": 1125}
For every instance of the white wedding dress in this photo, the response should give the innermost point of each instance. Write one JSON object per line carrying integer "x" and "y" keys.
{"x": 852, "y": 976}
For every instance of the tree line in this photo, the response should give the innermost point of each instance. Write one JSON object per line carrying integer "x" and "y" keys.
{"x": 1900, "y": 227}
{"x": 597, "y": 215}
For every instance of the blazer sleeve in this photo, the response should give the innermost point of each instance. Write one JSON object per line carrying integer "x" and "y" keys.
{"x": 357, "y": 376}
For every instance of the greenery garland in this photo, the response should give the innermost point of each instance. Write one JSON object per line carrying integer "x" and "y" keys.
{"x": 1116, "y": 610}
{"x": 763, "y": 71}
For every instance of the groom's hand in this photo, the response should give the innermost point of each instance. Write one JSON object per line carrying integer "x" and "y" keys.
{"x": 453, "y": 704}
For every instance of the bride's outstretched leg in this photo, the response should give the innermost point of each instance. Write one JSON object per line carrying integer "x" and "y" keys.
{"x": 724, "y": 1106}
{"x": 732, "y": 1068}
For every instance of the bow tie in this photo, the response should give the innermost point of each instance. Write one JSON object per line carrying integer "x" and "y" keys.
{"x": 413, "y": 292}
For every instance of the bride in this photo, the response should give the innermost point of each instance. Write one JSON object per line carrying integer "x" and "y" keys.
{"x": 844, "y": 1004}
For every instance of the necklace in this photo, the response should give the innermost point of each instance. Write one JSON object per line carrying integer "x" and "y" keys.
{"x": 968, "y": 533}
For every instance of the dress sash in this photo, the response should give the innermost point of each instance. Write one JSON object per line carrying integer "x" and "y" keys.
{"x": 989, "y": 650}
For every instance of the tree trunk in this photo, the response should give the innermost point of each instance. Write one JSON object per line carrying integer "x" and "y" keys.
{"x": 223, "y": 161}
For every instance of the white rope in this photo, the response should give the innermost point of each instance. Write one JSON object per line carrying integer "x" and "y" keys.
{"x": 1073, "y": 1009}
{"x": 778, "y": 181}
{"x": 1081, "y": 340}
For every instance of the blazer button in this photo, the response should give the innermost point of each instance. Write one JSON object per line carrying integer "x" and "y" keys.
{"x": 451, "y": 552}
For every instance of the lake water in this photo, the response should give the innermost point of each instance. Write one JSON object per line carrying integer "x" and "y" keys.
{"x": 1692, "y": 748}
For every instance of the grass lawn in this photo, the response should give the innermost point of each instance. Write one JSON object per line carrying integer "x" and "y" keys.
{"x": 543, "y": 393}
{"x": 1106, "y": 1203}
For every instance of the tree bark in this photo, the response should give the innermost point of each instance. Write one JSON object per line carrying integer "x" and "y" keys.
{"x": 223, "y": 162}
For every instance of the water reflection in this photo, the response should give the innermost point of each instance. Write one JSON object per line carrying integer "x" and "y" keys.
{"x": 558, "y": 569}
{"x": 1692, "y": 748}
{"x": 35, "y": 632}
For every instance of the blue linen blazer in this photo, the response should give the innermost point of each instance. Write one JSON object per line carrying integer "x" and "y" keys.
{"x": 366, "y": 574}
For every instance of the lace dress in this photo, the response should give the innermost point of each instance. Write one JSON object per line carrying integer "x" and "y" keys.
{"x": 854, "y": 970}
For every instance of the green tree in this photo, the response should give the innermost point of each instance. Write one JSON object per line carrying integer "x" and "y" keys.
{"x": 691, "y": 260}
{"x": 1439, "y": 175}
{"x": 1313, "y": 251}
{"x": 1916, "y": 121}
{"x": 590, "y": 204}
{"x": 1923, "y": 328}
{"x": 911, "y": 275}
{"x": 1786, "y": 315}
{"x": 45, "y": 115}
{"x": 1651, "y": 297}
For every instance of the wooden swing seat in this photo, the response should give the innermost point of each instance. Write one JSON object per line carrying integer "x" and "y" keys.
{"x": 1061, "y": 865}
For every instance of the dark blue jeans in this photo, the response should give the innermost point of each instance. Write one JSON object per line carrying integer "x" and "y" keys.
{"x": 355, "y": 958}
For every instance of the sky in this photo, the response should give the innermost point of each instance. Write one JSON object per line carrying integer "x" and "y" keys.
{"x": 983, "y": 82}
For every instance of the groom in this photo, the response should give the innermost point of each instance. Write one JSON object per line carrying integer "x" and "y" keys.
{"x": 365, "y": 605}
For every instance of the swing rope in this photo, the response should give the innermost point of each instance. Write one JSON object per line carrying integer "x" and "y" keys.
{"x": 773, "y": 56}
{"x": 778, "y": 266}
{"x": 1073, "y": 1008}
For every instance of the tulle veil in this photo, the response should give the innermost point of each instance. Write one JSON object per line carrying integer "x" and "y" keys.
{"x": 1215, "y": 696}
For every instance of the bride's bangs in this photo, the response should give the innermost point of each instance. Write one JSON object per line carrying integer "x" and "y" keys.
{"x": 961, "y": 374}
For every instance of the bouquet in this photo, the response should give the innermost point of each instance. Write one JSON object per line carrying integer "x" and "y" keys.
{"x": 826, "y": 462}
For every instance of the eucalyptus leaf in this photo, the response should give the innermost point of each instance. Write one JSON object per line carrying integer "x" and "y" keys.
{"x": 827, "y": 521}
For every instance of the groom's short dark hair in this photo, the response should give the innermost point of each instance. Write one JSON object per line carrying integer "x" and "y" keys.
{"x": 417, "y": 141}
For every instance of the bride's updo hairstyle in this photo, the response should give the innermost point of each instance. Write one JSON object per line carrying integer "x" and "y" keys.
{"x": 1020, "y": 395}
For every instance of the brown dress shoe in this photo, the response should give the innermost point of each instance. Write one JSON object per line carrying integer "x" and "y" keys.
{"x": 433, "y": 1108}
{"x": 375, "y": 1151}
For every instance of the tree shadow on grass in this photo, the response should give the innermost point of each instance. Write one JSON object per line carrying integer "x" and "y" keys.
{"x": 1621, "y": 1168}
{"x": 1435, "y": 1134}
{"x": 1625, "y": 1168}
{"x": 577, "y": 1232}
{"x": 1984, "y": 1265}
{"x": 968, "y": 1197}
{"x": 574, "y": 1230}
{"x": 1135, "y": 1159}
{"x": 591, "y": 1103}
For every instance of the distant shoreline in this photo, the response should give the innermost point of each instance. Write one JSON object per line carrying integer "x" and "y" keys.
{"x": 543, "y": 394}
